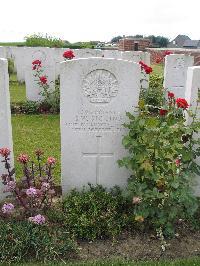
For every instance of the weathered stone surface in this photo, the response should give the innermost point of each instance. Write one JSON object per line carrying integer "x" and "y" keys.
{"x": 5, "y": 117}
{"x": 175, "y": 73}
{"x": 192, "y": 96}
{"x": 95, "y": 93}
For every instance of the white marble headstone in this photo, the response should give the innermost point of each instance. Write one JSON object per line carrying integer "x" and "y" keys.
{"x": 46, "y": 55}
{"x": 5, "y": 117}
{"x": 95, "y": 94}
{"x": 86, "y": 53}
{"x": 175, "y": 73}
{"x": 192, "y": 95}
{"x": 3, "y": 52}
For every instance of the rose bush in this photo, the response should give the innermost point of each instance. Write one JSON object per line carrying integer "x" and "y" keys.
{"x": 162, "y": 159}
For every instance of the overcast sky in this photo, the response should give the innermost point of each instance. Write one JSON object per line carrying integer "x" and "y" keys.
{"x": 84, "y": 20}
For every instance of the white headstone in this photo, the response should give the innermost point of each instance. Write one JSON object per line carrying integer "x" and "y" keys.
{"x": 95, "y": 94}
{"x": 46, "y": 55}
{"x": 175, "y": 73}
{"x": 136, "y": 56}
{"x": 3, "y": 52}
{"x": 33, "y": 89}
{"x": 19, "y": 62}
{"x": 192, "y": 95}
{"x": 86, "y": 53}
{"x": 111, "y": 54}
{"x": 5, "y": 116}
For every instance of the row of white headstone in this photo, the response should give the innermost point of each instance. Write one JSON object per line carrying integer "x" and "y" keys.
{"x": 51, "y": 58}
{"x": 95, "y": 94}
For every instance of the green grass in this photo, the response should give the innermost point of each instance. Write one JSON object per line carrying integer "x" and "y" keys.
{"x": 185, "y": 262}
{"x": 158, "y": 69}
{"x": 17, "y": 90}
{"x": 12, "y": 43}
{"x": 31, "y": 132}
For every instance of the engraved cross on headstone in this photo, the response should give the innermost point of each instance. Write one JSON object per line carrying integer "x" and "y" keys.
{"x": 98, "y": 155}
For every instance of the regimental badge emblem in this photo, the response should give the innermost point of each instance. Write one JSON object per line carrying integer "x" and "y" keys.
{"x": 100, "y": 86}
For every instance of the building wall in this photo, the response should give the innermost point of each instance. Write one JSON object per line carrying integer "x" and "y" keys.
{"x": 158, "y": 53}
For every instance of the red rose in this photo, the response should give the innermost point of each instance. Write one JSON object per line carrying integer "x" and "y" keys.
{"x": 36, "y": 62}
{"x": 163, "y": 112}
{"x": 68, "y": 54}
{"x": 182, "y": 103}
{"x": 170, "y": 94}
{"x": 43, "y": 79}
{"x": 146, "y": 68}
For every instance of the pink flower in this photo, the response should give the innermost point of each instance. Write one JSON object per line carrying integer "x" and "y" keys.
{"x": 23, "y": 158}
{"x": 4, "y": 152}
{"x": 31, "y": 192}
{"x": 43, "y": 80}
{"x": 136, "y": 200}
{"x": 177, "y": 162}
{"x": 68, "y": 54}
{"x": 10, "y": 186}
{"x": 38, "y": 219}
{"x": 8, "y": 208}
{"x": 51, "y": 160}
{"x": 45, "y": 186}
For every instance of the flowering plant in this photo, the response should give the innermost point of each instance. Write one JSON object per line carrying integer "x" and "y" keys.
{"x": 50, "y": 99}
{"x": 68, "y": 55}
{"x": 162, "y": 159}
{"x": 33, "y": 193}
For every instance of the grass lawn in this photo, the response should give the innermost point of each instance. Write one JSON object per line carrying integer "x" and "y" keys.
{"x": 187, "y": 262}
{"x": 158, "y": 69}
{"x": 31, "y": 132}
{"x": 17, "y": 90}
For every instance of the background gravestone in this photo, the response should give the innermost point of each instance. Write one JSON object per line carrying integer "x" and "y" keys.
{"x": 46, "y": 55}
{"x": 192, "y": 95}
{"x": 175, "y": 73}
{"x": 86, "y": 53}
{"x": 95, "y": 93}
{"x": 5, "y": 116}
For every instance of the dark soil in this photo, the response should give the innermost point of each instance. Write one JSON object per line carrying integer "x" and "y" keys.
{"x": 142, "y": 247}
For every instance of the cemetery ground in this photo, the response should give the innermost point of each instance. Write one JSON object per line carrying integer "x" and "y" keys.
{"x": 31, "y": 132}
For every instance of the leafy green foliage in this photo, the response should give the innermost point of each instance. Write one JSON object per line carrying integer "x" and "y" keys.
{"x": 162, "y": 153}
{"x": 153, "y": 97}
{"x": 43, "y": 40}
{"x": 94, "y": 213}
{"x": 23, "y": 241}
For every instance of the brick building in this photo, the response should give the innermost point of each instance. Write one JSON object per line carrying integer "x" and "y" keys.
{"x": 133, "y": 44}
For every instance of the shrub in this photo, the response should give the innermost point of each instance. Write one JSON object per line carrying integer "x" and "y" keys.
{"x": 43, "y": 40}
{"x": 28, "y": 107}
{"x": 94, "y": 213}
{"x": 162, "y": 153}
{"x": 23, "y": 241}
